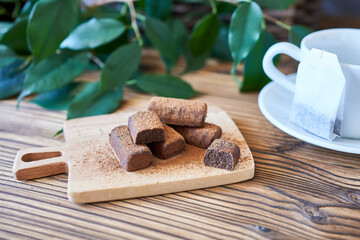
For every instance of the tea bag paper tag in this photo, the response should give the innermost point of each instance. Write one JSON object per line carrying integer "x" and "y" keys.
{"x": 319, "y": 96}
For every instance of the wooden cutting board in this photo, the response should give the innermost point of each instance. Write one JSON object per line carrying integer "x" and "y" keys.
{"x": 94, "y": 173}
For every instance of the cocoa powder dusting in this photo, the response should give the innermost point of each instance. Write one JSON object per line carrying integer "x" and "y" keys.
{"x": 146, "y": 120}
{"x": 171, "y": 135}
{"x": 97, "y": 160}
{"x": 200, "y": 136}
{"x": 179, "y": 111}
{"x": 190, "y": 159}
{"x": 145, "y": 127}
{"x": 107, "y": 160}
{"x": 98, "y": 167}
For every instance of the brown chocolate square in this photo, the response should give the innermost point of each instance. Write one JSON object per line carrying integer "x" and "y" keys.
{"x": 146, "y": 127}
{"x": 174, "y": 144}
{"x": 222, "y": 154}
{"x": 131, "y": 156}
{"x": 179, "y": 112}
{"x": 200, "y": 136}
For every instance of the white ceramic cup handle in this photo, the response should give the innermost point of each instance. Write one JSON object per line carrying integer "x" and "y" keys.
{"x": 270, "y": 69}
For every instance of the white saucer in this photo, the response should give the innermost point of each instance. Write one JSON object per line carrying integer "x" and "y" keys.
{"x": 275, "y": 104}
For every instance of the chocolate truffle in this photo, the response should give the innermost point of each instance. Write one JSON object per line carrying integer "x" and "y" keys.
{"x": 179, "y": 111}
{"x": 146, "y": 127}
{"x": 174, "y": 144}
{"x": 200, "y": 136}
{"x": 222, "y": 154}
{"x": 131, "y": 156}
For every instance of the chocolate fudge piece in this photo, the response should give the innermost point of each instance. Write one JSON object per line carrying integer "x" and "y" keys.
{"x": 222, "y": 154}
{"x": 131, "y": 156}
{"x": 146, "y": 127}
{"x": 174, "y": 144}
{"x": 200, "y": 136}
{"x": 179, "y": 111}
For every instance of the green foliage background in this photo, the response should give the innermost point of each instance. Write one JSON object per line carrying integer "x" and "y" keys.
{"x": 51, "y": 42}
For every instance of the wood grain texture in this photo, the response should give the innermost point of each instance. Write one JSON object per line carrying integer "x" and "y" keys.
{"x": 299, "y": 191}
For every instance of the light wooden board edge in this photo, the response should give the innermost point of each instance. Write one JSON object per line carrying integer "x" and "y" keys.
{"x": 165, "y": 188}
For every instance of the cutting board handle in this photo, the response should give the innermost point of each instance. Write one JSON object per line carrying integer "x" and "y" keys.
{"x": 39, "y": 162}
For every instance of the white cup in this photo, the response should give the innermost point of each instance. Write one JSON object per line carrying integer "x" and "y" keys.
{"x": 345, "y": 43}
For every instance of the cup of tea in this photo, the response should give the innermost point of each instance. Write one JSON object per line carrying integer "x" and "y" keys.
{"x": 345, "y": 43}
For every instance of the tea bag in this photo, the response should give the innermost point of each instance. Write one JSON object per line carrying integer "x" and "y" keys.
{"x": 318, "y": 104}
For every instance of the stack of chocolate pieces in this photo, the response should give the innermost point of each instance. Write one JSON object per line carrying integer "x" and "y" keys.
{"x": 163, "y": 131}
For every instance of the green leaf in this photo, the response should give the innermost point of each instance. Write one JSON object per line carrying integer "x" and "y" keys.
{"x": 110, "y": 47}
{"x": 161, "y": 37}
{"x": 132, "y": 82}
{"x": 165, "y": 85}
{"x": 225, "y": 8}
{"x": 58, "y": 133}
{"x": 91, "y": 101}
{"x": 179, "y": 32}
{"x": 158, "y": 9}
{"x": 7, "y": 56}
{"x": 132, "y": 85}
{"x": 276, "y": 4}
{"x": 60, "y": 98}
{"x": 15, "y": 37}
{"x": 120, "y": 66}
{"x": 245, "y": 28}
{"x": 204, "y": 35}
{"x": 54, "y": 72}
{"x": 93, "y": 33}
{"x": 192, "y": 1}
{"x": 107, "y": 48}
{"x": 101, "y": 11}
{"x": 180, "y": 36}
{"x": 194, "y": 63}
{"x": 26, "y": 9}
{"x": 221, "y": 48}
{"x": 11, "y": 80}
{"x": 297, "y": 33}
{"x": 50, "y": 22}
{"x": 254, "y": 76}
{"x": 4, "y": 27}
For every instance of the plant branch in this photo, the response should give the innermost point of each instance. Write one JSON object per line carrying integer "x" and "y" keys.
{"x": 234, "y": 2}
{"x": 130, "y": 82}
{"x": 213, "y": 6}
{"x": 16, "y": 10}
{"x": 276, "y": 21}
{"x": 3, "y": 11}
{"x": 123, "y": 9}
{"x": 266, "y": 16}
{"x": 134, "y": 23}
{"x": 26, "y": 63}
{"x": 97, "y": 61}
{"x": 140, "y": 17}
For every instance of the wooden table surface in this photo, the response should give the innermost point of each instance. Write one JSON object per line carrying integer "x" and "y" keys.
{"x": 299, "y": 191}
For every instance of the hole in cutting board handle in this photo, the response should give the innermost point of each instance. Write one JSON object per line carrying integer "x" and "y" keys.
{"x": 30, "y": 157}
